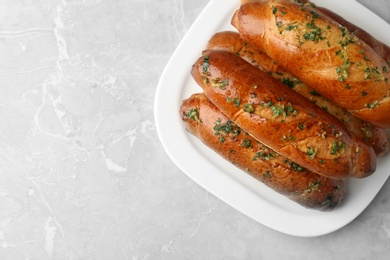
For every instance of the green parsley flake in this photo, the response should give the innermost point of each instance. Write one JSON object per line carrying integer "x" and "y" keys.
{"x": 218, "y": 83}
{"x": 282, "y": 110}
{"x": 296, "y": 167}
{"x": 289, "y": 82}
{"x": 314, "y": 34}
{"x": 263, "y": 156}
{"x": 246, "y": 143}
{"x": 337, "y": 146}
{"x": 367, "y": 130}
{"x": 249, "y": 108}
{"x": 235, "y": 101}
{"x": 312, "y": 152}
{"x": 227, "y": 128}
{"x": 206, "y": 64}
{"x": 313, "y": 186}
{"x": 315, "y": 93}
{"x": 193, "y": 114}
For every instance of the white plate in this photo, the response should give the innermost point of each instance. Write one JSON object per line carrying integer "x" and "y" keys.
{"x": 221, "y": 178}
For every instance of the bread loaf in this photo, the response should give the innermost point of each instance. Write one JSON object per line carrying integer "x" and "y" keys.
{"x": 321, "y": 53}
{"x": 310, "y": 190}
{"x": 282, "y": 119}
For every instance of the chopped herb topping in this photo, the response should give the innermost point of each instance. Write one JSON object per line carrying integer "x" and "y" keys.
{"x": 327, "y": 201}
{"x": 312, "y": 152}
{"x": 314, "y": 15}
{"x": 313, "y": 186}
{"x": 235, "y": 101}
{"x": 314, "y": 34}
{"x": 347, "y": 41}
{"x": 282, "y": 110}
{"x": 367, "y": 130}
{"x": 348, "y": 38}
{"x": 344, "y": 31}
{"x": 342, "y": 71}
{"x": 290, "y": 109}
{"x": 315, "y": 93}
{"x": 278, "y": 110}
{"x": 337, "y": 146}
{"x": 253, "y": 94}
{"x": 193, "y": 114}
{"x": 246, "y": 143}
{"x": 249, "y": 108}
{"x": 292, "y": 26}
{"x": 373, "y": 73}
{"x": 268, "y": 174}
{"x": 296, "y": 167}
{"x": 206, "y": 64}
{"x": 274, "y": 10}
{"x": 227, "y": 128}
{"x": 218, "y": 83}
{"x": 263, "y": 156}
{"x": 289, "y": 82}
{"x": 205, "y": 80}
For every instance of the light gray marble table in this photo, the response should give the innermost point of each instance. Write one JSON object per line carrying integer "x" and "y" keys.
{"x": 82, "y": 172}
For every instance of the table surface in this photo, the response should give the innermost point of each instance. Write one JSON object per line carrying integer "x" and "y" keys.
{"x": 82, "y": 172}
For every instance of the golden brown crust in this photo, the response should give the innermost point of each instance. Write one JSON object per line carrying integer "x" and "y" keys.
{"x": 379, "y": 47}
{"x": 281, "y": 118}
{"x": 206, "y": 122}
{"x": 321, "y": 53}
{"x": 231, "y": 41}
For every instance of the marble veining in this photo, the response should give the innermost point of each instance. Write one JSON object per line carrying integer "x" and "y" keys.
{"x": 82, "y": 172}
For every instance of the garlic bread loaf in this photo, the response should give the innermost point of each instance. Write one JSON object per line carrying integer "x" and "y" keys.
{"x": 282, "y": 119}
{"x": 321, "y": 53}
{"x": 214, "y": 129}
